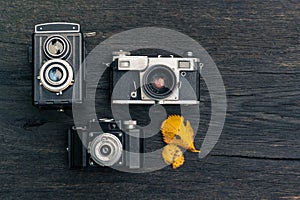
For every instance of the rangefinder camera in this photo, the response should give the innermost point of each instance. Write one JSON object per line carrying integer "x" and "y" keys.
{"x": 57, "y": 57}
{"x": 154, "y": 80}
{"x": 118, "y": 144}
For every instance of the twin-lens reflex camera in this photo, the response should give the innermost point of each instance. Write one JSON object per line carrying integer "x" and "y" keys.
{"x": 58, "y": 55}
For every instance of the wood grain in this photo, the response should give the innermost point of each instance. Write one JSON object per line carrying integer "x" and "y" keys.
{"x": 256, "y": 47}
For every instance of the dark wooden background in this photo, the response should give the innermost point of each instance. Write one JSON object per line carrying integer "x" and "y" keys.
{"x": 256, "y": 46}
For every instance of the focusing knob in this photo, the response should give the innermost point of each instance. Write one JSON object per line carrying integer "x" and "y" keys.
{"x": 130, "y": 124}
{"x": 121, "y": 53}
{"x": 188, "y": 53}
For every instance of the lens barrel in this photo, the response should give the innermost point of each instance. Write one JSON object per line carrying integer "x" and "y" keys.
{"x": 106, "y": 149}
{"x": 56, "y": 75}
{"x": 159, "y": 82}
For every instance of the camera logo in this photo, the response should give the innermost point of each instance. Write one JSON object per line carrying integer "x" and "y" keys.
{"x": 155, "y": 81}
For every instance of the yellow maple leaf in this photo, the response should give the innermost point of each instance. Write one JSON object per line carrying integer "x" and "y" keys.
{"x": 176, "y": 132}
{"x": 173, "y": 155}
{"x": 171, "y": 126}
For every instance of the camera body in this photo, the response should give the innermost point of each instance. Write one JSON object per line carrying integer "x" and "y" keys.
{"x": 58, "y": 54}
{"x": 150, "y": 80}
{"x": 119, "y": 144}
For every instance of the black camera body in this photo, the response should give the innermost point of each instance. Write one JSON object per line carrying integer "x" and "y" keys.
{"x": 119, "y": 144}
{"x": 57, "y": 56}
{"x": 151, "y": 80}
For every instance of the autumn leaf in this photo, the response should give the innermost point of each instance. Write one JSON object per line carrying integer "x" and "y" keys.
{"x": 173, "y": 155}
{"x": 174, "y": 131}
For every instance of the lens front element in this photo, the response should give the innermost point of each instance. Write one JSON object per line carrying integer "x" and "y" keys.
{"x": 55, "y": 74}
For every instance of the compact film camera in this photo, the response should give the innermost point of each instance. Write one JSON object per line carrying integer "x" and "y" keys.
{"x": 151, "y": 80}
{"x": 57, "y": 56}
{"x": 119, "y": 144}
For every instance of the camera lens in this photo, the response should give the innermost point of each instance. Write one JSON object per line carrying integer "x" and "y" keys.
{"x": 55, "y": 74}
{"x": 159, "y": 82}
{"x": 106, "y": 149}
{"x": 57, "y": 47}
